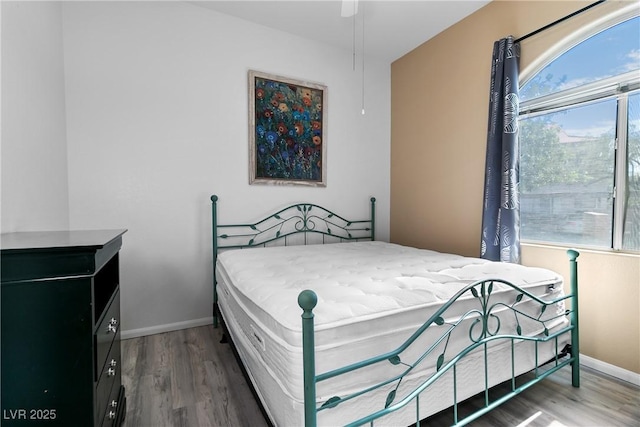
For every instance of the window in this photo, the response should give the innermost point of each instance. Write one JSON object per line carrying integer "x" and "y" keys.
{"x": 580, "y": 144}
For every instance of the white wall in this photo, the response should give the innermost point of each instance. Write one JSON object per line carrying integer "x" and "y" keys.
{"x": 33, "y": 145}
{"x": 157, "y": 109}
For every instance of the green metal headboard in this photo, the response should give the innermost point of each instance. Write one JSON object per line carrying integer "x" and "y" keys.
{"x": 310, "y": 222}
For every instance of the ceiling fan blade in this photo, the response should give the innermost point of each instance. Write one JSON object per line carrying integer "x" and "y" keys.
{"x": 349, "y": 8}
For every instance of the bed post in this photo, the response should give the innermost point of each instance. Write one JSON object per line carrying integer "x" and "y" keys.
{"x": 307, "y": 300}
{"x": 575, "y": 332}
{"x": 373, "y": 218}
{"x": 214, "y": 239}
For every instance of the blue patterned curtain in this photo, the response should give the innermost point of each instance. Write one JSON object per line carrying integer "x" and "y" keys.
{"x": 501, "y": 210}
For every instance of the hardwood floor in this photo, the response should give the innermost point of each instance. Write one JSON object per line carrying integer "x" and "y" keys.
{"x": 187, "y": 378}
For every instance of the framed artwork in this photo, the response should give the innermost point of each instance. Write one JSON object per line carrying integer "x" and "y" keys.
{"x": 287, "y": 129}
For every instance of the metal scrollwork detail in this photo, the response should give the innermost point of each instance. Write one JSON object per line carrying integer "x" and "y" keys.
{"x": 485, "y": 314}
{"x": 296, "y": 219}
{"x": 305, "y": 221}
{"x": 486, "y": 331}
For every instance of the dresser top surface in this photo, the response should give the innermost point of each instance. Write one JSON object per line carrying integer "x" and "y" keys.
{"x": 58, "y": 240}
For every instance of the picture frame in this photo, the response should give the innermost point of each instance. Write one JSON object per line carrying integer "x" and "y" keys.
{"x": 287, "y": 131}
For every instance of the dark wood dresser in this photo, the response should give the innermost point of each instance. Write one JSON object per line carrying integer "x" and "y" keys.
{"x": 60, "y": 329}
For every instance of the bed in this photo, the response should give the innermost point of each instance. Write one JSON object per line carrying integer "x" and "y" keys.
{"x": 335, "y": 328}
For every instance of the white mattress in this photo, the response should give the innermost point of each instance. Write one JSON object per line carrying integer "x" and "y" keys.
{"x": 371, "y": 297}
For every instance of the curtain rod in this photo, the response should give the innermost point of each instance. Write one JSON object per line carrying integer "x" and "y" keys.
{"x": 546, "y": 27}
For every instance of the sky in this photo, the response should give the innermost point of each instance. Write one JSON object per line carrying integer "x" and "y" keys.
{"x": 611, "y": 52}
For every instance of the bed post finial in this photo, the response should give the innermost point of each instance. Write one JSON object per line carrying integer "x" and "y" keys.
{"x": 307, "y": 300}
{"x": 575, "y": 332}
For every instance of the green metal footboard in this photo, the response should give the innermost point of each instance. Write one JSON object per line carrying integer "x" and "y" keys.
{"x": 304, "y": 220}
{"x": 485, "y": 330}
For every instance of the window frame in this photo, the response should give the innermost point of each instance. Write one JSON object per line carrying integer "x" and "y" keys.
{"x": 618, "y": 87}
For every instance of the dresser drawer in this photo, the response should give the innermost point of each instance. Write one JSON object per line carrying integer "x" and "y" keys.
{"x": 106, "y": 332}
{"x": 109, "y": 379}
{"x": 113, "y": 413}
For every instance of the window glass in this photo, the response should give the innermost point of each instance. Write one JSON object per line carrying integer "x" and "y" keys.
{"x": 606, "y": 54}
{"x": 631, "y": 236}
{"x": 580, "y": 144}
{"x": 567, "y": 175}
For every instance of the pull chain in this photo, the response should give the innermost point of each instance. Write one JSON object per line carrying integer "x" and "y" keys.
{"x": 363, "y": 58}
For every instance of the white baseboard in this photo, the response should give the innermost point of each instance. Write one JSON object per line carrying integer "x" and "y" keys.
{"x": 612, "y": 370}
{"x": 152, "y": 330}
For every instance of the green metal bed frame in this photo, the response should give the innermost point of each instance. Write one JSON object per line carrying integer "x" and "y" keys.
{"x": 306, "y": 218}
{"x": 301, "y": 219}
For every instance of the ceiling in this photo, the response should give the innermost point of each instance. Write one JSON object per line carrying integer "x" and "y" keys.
{"x": 392, "y": 28}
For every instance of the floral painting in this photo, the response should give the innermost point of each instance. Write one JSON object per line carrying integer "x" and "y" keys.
{"x": 287, "y": 130}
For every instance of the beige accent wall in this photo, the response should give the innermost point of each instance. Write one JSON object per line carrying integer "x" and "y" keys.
{"x": 439, "y": 100}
